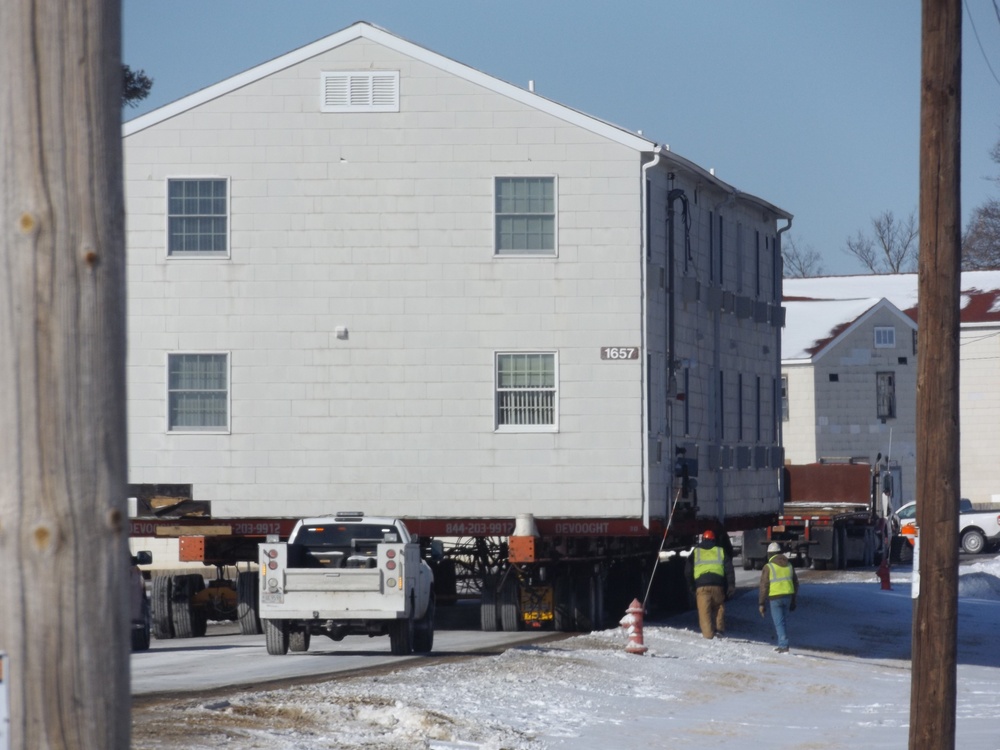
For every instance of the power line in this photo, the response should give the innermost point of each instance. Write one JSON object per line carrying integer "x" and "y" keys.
{"x": 976, "y": 33}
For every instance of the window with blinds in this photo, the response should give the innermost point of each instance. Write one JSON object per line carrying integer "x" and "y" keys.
{"x": 526, "y": 391}
{"x": 198, "y": 392}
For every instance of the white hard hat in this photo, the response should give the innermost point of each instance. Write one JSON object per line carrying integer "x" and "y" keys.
{"x": 773, "y": 548}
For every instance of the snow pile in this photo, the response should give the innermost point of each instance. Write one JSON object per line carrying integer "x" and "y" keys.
{"x": 845, "y": 684}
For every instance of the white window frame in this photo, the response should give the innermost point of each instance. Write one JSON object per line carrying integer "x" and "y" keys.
{"x": 197, "y": 254}
{"x": 553, "y": 389}
{"x": 359, "y": 91}
{"x": 524, "y": 252}
{"x": 885, "y": 395}
{"x": 885, "y": 337}
{"x": 212, "y": 429}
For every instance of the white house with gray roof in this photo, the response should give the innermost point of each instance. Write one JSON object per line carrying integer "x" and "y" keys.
{"x": 367, "y": 274}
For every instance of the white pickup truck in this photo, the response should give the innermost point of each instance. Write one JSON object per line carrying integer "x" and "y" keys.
{"x": 977, "y": 529}
{"x": 346, "y": 575}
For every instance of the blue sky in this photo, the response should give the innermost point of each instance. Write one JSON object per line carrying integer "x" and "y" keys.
{"x": 813, "y": 106}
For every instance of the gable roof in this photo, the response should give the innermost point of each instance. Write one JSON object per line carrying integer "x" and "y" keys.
{"x": 814, "y": 327}
{"x": 980, "y": 300}
{"x": 365, "y": 30}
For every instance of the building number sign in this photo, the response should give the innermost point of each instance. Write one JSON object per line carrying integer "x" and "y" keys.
{"x": 619, "y": 352}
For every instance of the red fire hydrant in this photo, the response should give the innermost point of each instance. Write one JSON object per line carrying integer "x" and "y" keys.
{"x": 883, "y": 575}
{"x": 632, "y": 624}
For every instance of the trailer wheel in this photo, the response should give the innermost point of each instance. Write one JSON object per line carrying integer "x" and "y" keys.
{"x": 247, "y": 607}
{"x": 298, "y": 639}
{"x": 564, "y": 594}
{"x": 276, "y": 636}
{"x": 189, "y": 621}
{"x": 423, "y": 629}
{"x": 401, "y": 637}
{"x": 510, "y": 610}
{"x": 488, "y": 613}
{"x": 140, "y": 636}
{"x": 163, "y": 622}
{"x": 973, "y": 541}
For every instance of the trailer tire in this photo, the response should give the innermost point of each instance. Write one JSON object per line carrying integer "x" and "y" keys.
{"x": 509, "y": 605}
{"x": 401, "y": 637}
{"x": 423, "y": 629}
{"x": 588, "y": 604}
{"x": 488, "y": 612}
{"x": 276, "y": 636}
{"x": 973, "y": 541}
{"x": 247, "y": 607}
{"x": 298, "y": 639}
{"x": 141, "y": 636}
{"x": 564, "y": 593}
{"x": 189, "y": 621}
{"x": 163, "y": 622}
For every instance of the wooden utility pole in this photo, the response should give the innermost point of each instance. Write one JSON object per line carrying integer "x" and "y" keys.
{"x": 63, "y": 522}
{"x": 935, "y": 612}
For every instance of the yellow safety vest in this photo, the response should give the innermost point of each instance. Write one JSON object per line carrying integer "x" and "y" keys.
{"x": 780, "y": 581}
{"x": 709, "y": 561}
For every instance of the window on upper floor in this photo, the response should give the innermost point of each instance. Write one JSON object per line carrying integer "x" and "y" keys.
{"x": 525, "y": 216}
{"x": 198, "y": 392}
{"x": 885, "y": 337}
{"x": 197, "y": 217}
{"x": 526, "y": 393}
{"x": 885, "y": 393}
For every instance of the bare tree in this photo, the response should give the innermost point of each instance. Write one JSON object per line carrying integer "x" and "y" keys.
{"x": 800, "y": 262}
{"x": 63, "y": 522}
{"x": 891, "y": 248}
{"x": 981, "y": 242}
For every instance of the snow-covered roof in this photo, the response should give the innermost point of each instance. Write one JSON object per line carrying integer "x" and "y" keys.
{"x": 365, "y": 30}
{"x": 812, "y": 326}
{"x": 980, "y": 301}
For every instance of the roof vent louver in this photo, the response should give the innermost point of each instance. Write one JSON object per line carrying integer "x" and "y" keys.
{"x": 360, "y": 91}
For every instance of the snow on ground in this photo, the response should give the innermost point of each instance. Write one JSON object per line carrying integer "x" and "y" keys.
{"x": 845, "y": 684}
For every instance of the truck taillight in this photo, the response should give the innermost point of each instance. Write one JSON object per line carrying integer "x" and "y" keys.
{"x": 271, "y": 553}
{"x": 390, "y": 553}
{"x": 391, "y": 565}
{"x": 390, "y": 582}
{"x": 272, "y": 565}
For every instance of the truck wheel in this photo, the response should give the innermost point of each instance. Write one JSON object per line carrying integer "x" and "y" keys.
{"x": 140, "y": 636}
{"x": 510, "y": 610}
{"x": 585, "y": 604}
{"x": 973, "y": 541}
{"x": 247, "y": 608}
{"x": 423, "y": 629}
{"x": 276, "y": 636}
{"x": 401, "y": 637}
{"x": 163, "y": 621}
{"x": 298, "y": 639}
{"x": 488, "y": 612}
{"x": 189, "y": 621}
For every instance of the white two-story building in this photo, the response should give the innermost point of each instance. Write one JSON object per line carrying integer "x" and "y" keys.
{"x": 364, "y": 276}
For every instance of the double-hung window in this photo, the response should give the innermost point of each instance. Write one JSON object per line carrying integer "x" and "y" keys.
{"x": 525, "y": 216}
{"x": 198, "y": 392}
{"x": 197, "y": 217}
{"x": 526, "y": 392}
{"x": 885, "y": 337}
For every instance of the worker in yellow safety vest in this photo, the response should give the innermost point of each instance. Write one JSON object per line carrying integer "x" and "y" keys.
{"x": 711, "y": 575}
{"x": 779, "y": 587}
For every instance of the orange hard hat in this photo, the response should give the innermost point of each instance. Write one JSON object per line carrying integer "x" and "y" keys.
{"x": 708, "y": 534}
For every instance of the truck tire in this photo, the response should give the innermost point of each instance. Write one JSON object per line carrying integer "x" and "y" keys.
{"x": 298, "y": 639}
{"x": 586, "y": 604}
{"x": 140, "y": 636}
{"x": 423, "y": 629}
{"x": 163, "y": 621}
{"x": 510, "y": 609}
{"x": 564, "y": 593}
{"x": 401, "y": 637}
{"x": 489, "y": 615}
{"x": 276, "y": 636}
{"x": 189, "y": 621}
{"x": 247, "y": 607}
{"x": 973, "y": 541}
